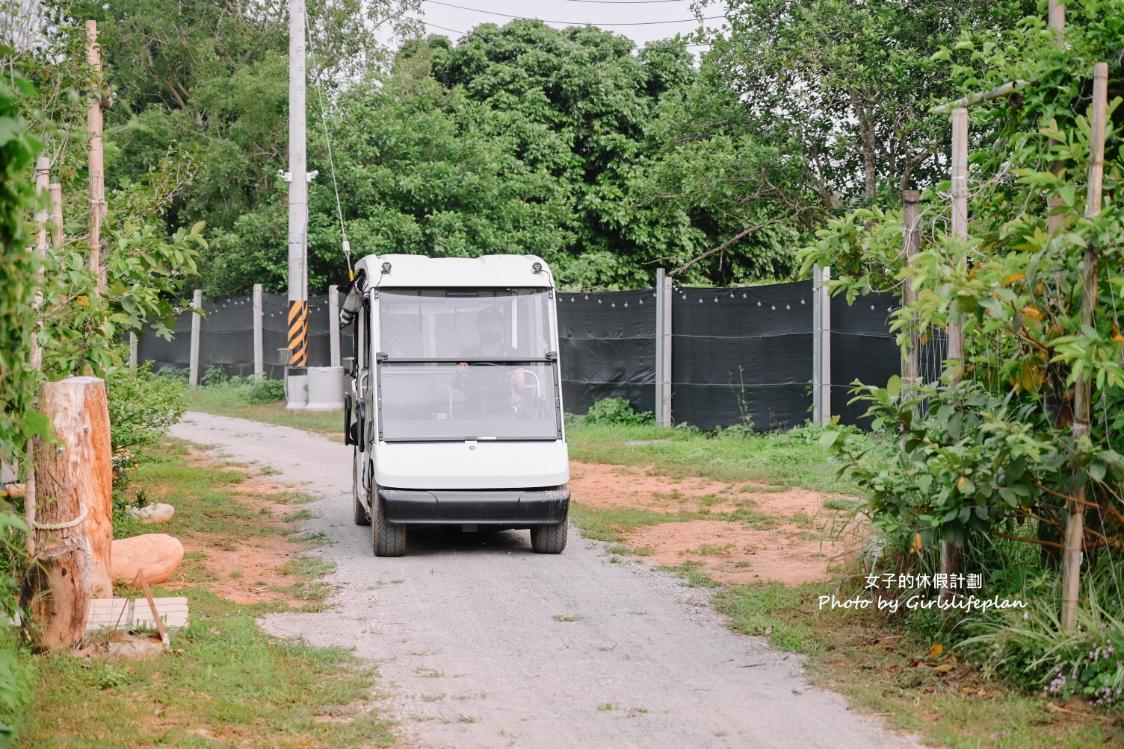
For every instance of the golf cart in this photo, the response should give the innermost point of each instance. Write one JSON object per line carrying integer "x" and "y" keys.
{"x": 455, "y": 402}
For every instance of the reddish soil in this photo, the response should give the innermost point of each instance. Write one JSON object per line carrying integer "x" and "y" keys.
{"x": 247, "y": 569}
{"x": 606, "y": 487}
{"x": 792, "y": 539}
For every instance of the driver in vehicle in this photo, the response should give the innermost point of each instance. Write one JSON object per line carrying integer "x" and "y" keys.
{"x": 487, "y": 389}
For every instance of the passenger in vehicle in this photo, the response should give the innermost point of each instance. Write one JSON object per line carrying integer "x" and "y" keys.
{"x": 491, "y": 388}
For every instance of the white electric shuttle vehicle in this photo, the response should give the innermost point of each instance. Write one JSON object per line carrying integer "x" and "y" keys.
{"x": 455, "y": 402}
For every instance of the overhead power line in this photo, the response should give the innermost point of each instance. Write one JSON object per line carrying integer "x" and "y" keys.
{"x": 626, "y": 2}
{"x": 444, "y": 28}
{"x": 572, "y": 23}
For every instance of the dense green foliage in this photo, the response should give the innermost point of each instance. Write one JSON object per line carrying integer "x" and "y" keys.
{"x": 843, "y": 88}
{"x": 17, "y": 272}
{"x": 142, "y": 406}
{"x": 17, "y": 382}
{"x": 607, "y": 160}
{"x": 995, "y": 456}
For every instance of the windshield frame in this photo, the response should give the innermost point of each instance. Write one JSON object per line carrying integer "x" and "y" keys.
{"x": 549, "y": 358}
{"x": 547, "y": 344}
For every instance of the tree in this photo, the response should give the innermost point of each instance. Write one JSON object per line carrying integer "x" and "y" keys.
{"x": 207, "y": 82}
{"x": 846, "y": 85}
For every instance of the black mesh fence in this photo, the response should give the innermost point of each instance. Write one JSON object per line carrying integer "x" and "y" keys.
{"x": 862, "y": 349}
{"x": 226, "y": 337}
{"x": 167, "y": 354}
{"x": 608, "y": 348}
{"x": 739, "y": 355}
{"x": 742, "y": 355}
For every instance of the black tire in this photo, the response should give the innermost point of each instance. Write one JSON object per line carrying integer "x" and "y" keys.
{"x": 549, "y": 539}
{"x": 362, "y": 517}
{"x": 388, "y": 539}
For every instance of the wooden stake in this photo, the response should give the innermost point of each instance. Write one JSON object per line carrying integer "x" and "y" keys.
{"x": 42, "y": 182}
{"x": 1056, "y": 19}
{"x": 35, "y": 356}
{"x": 1083, "y": 389}
{"x": 74, "y": 531}
{"x": 1054, "y": 202}
{"x": 96, "y": 156}
{"x": 56, "y": 215}
{"x": 959, "y": 220}
{"x": 950, "y": 553}
{"x": 911, "y": 242}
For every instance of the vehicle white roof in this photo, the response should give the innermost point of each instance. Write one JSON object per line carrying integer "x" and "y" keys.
{"x": 420, "y": 271}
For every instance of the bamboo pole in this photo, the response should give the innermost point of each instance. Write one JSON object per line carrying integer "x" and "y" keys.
{"x": 1049, "y": 532}
{"x": 1005, "y": 89}
{"x": 959, "y": 219}
{"x": 56, "y": 215}
{"x": 1083, "y": 390}
{"x": 95, "y": 125}
{"x": 1056, "y": 17}
{"x": 911, "y": 242}
{"x": 1054, "y": 202}
{"x": 42, "y": 185}
{"x": 950, "y": 553}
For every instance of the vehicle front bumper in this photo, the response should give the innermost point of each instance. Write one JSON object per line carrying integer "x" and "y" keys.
{"x": 506, "y": 507}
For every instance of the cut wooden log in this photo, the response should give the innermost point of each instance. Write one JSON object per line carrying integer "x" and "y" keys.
{"x": 74, "y": 520}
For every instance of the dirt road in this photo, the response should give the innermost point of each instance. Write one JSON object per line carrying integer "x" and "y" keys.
{"x": 481, "y": 643}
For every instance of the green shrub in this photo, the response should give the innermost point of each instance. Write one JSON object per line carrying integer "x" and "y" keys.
{"x": 1029, "y": 647}
{"x": 142, "y": 406}
{"x": 262, "y": 391}
{"x": 616, "y": 411}
{"x": 214, "y": 376}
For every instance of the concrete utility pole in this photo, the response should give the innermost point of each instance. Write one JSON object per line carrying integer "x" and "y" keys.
{"x": 298, "y": 191}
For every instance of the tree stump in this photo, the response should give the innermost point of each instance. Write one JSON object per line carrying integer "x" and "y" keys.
{"x": 74, "y": 522}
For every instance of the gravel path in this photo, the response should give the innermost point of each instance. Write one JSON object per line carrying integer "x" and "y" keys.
{"x": 482, "y": 643}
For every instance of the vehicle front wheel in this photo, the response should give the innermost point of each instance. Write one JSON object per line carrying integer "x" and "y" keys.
{"x": 388, "y": 539}
{"x": 549, "y": 539}
{"x": 362, "y": 517}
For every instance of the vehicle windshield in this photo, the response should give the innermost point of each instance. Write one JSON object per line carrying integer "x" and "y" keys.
{"x": 464, "y": 323}
{"x": 459, "y": 364}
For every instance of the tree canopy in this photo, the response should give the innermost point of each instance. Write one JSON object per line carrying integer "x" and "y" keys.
{"x": 606, "y": 159}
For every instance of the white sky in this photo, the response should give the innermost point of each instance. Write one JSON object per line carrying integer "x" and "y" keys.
{"x": 600, "y": 13}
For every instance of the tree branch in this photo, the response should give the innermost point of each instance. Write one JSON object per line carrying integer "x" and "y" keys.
{"x": 727, "y": 244}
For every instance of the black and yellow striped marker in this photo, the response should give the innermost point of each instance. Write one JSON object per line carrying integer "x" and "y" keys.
{"x": 298, "y": 333}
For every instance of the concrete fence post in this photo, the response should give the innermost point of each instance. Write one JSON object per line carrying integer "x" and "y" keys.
{"x": 259, "y": 355}
{"x": 333, "y": 326}
{"x": 825, "y": 347}
{"x": 193, "y": 373}
{"x": 817, "y": 354}
{"x": 663, "y": 348}
{"x": 132, "y": 350}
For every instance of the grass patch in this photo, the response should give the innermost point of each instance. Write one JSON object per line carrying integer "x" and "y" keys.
{"x": 783, "y": 458}
{"x": 615, "y": 524}
{"x": 692, "y": 572}
{"x": 312, "y": 570}
{"x": 224, "y": 682}
{"x": 883, "y": 668}
{"x": 792, "y": 458}
{"x": 225, "y": 400}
